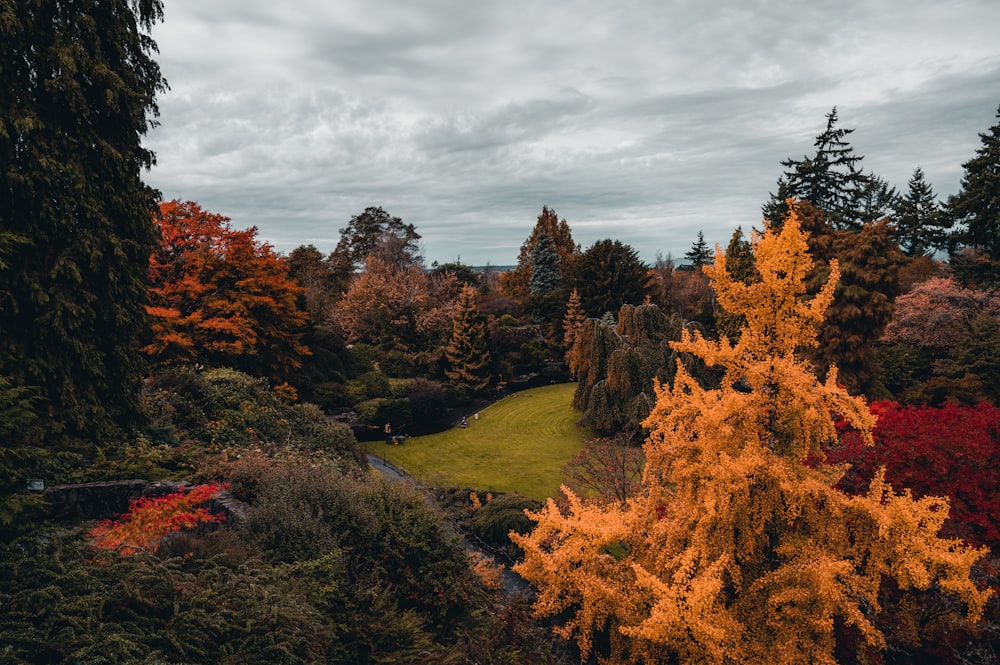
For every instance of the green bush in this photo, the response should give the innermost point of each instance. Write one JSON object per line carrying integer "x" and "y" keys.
{"x": 368, "y": 386}
{"x": 223, "y": 409}
{"x": 505, "y": 513}
{"x": 379, "y": 411}
{"x": 331, "y": 396}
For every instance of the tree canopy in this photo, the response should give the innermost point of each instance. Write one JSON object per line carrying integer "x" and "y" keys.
{"x": 831, "y": 181}
{"x": 220, "y": 296}
{"x": 78, "y": 94}
{"x": 733, "y": 550}
{"x": 610, "y": 274}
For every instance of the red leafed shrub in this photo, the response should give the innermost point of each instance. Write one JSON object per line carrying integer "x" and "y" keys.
{"x": 148, "y": 520}
{"x": 951, "y": 451}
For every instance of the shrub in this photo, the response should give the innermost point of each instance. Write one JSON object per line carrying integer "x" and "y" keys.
{"x": 377, "y": 412}
{"x": 148, "y": 520}
{"x": 495, "y": 520}
{"x": 428, "y": 405}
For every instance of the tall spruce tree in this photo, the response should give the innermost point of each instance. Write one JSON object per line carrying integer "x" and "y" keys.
{"x": 920, "y": 224}
{"x": 77, "y": 94}
{"x": 545, "y": 273}
{"x": 830, "y": 180}
{"x": 976, "y": 207}
{"x": 517, "y": 283}
{"x": 700, "y": 254}
{"x": 468, "y": 353}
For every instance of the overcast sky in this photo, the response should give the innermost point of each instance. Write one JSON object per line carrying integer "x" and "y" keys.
{"x": 643, "y": 121}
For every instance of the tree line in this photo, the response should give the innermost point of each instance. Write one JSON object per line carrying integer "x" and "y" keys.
{"x": 132, "y": 330}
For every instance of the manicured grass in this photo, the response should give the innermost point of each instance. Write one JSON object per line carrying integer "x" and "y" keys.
{"x": 518, "y": 444}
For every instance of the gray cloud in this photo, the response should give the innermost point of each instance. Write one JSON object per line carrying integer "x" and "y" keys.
{"x": 638, "y": 120}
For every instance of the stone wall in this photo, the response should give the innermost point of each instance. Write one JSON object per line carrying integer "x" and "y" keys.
{"x": 109, "y": 499}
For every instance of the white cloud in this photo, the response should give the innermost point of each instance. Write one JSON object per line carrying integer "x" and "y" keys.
{"x": 640, "y": 120}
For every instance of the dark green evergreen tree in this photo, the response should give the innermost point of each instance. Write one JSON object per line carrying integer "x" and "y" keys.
{"x": 608, "y": 275}
{"x": 545, "y": 273}
{"x": 830, "y": 180}
{"x": 741, "y": 266}
{"x": 976, "y": 207}
{"x": 920, "y": 224}
{"x": 700, "y": 253}
{"x": 468, "y": 355}
{"x": 877, "y": 199}
{"x": 77, "y": 94}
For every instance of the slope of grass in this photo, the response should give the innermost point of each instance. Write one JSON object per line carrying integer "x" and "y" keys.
{"x": 518, "y": 444}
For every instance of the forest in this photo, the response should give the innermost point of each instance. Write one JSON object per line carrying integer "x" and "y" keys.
{"x": 795, "y": 441}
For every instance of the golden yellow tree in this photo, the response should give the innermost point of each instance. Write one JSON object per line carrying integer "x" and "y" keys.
{"x": 735, "y": 550}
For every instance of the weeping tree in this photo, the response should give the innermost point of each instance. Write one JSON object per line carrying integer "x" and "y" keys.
{"x": 616, "y": 366}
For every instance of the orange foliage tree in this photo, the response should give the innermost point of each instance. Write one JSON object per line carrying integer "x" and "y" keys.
{"x": 219, "y": 295}
{"x": 733, "y": 550}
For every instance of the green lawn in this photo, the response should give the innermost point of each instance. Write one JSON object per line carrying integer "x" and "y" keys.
{"x": 518, "y": 444}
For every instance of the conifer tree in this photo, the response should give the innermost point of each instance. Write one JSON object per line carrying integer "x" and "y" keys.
{"x": 976, "y": 207}
{"x": 517, "y": 282}
{"x": 733, "y": 550}
{"x": 545, "y": 273}
{"x": 572, "y": 322}
{"x": 920, "y": 224}
{"x": 699, "y": 255}
{"x": 79, "y": 88}
{"x": 610, "y": 274}
{"x": 468, "y": 351}
{"x": 830, "y": 180}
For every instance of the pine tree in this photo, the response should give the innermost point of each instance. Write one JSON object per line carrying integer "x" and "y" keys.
{"x": 920, "y": 224}
{"x": 468, "y": 351}
{"x": 79, "y": 89}
{"x": 516, "y": 283}
{"x": 977, "y": 205}
{"x": 545, "y": 273}
{"x": 830, "y": 180}
{"x": 733, "y": 550}
{"x": 700, "y": 254}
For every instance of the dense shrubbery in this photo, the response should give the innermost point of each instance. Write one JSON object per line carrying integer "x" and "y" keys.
{"x": 226, "y": 411}
{"x": 327, "y": 568}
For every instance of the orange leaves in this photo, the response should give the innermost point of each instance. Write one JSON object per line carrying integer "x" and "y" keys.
{"x": 733, "y": 549}
{"x": 218, "y": 294}
{"x": 148, "y": 520}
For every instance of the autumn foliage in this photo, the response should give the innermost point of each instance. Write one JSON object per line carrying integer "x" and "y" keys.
{"x": 148, "y": 520}
{"x": 733, "y": 550}
{"x": 952, "y": 451}
{"x": 218, "y": 295}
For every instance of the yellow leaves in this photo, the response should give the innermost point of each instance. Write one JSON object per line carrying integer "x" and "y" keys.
{"x": 734, "y": 549}
{"x": 778, "y": 319}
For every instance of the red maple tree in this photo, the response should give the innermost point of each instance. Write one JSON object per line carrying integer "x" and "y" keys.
{"x": 220, "y": 295}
